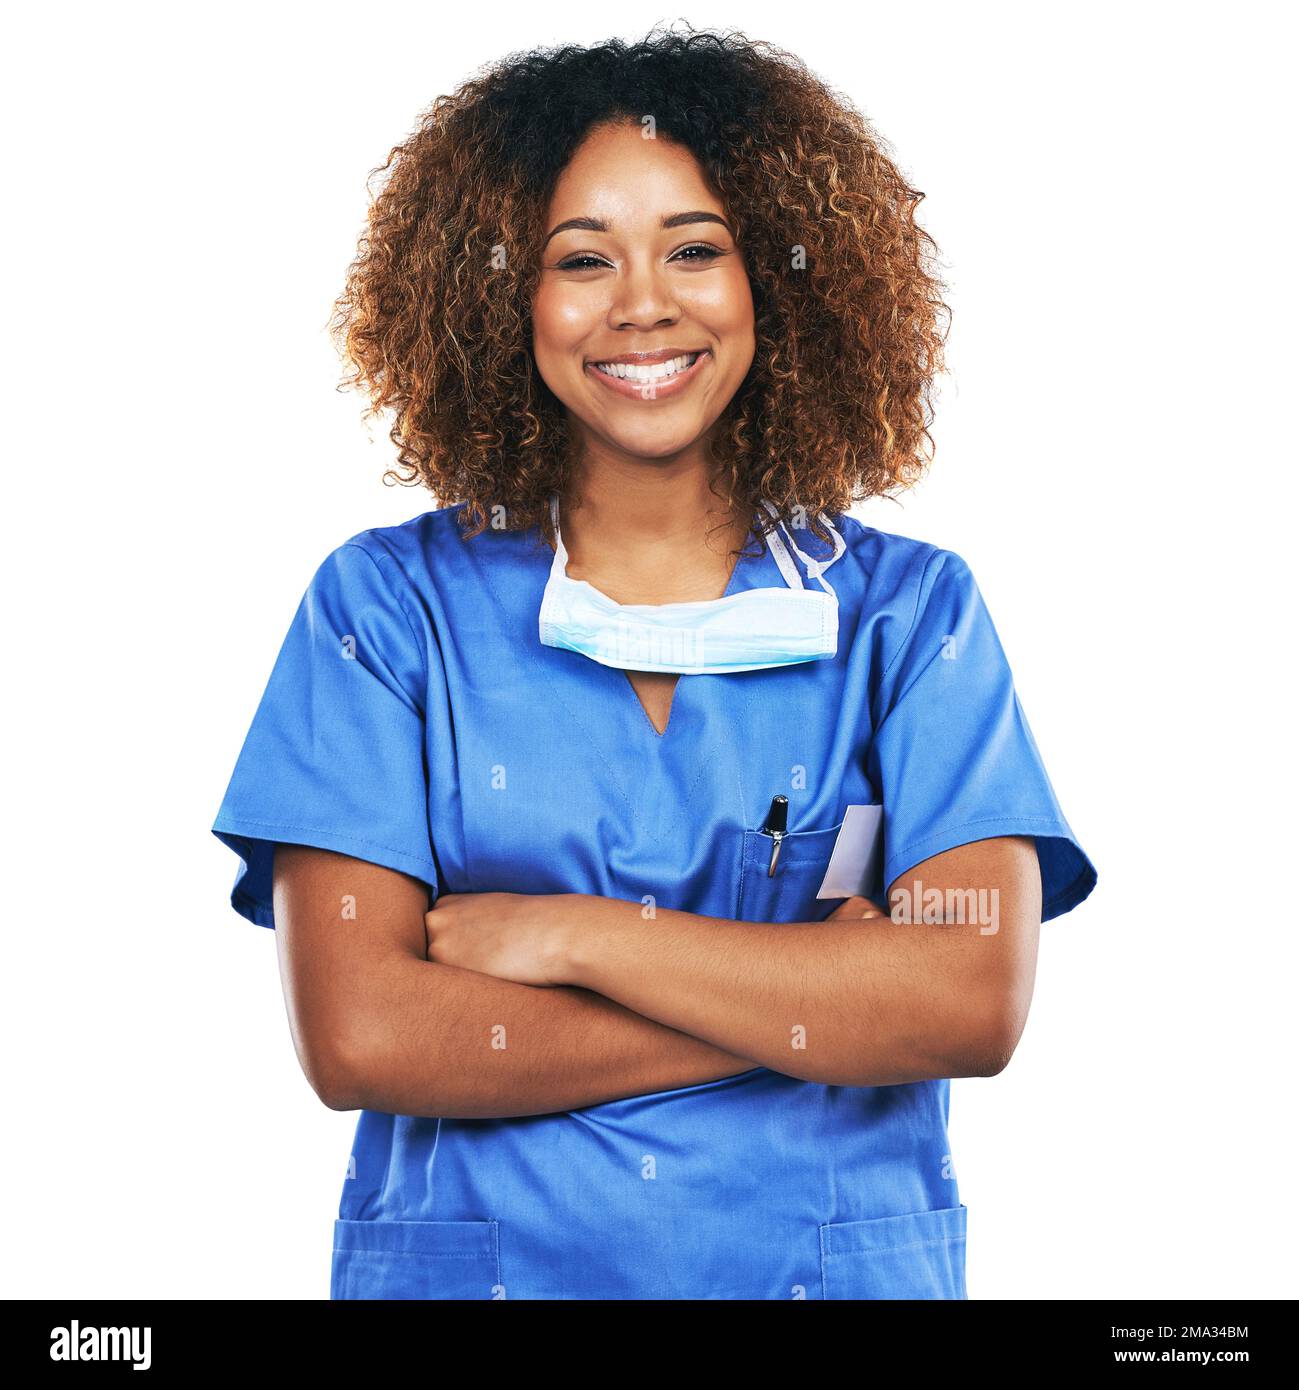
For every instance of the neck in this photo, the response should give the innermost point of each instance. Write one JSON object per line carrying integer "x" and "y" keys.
{"x": 650, "y": 532}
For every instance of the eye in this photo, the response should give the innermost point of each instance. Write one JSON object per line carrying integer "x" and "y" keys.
{"x": 698, "y": 253}
{"x": 582, "y": 261}
{"x": 706, "y": 253}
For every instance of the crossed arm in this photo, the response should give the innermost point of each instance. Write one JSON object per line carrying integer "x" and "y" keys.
{"x": 502, "y": 1004}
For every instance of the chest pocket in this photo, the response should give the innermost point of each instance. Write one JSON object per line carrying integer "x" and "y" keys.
{"x": 790, "y": 894}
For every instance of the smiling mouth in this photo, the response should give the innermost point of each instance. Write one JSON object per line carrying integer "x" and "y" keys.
{"x": 658, "y": 372}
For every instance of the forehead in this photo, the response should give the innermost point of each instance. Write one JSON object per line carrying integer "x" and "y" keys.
{"x": 618, "y": 173}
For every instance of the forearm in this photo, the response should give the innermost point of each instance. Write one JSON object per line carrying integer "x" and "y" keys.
{"x": 868, "y": 1004}
{"x": 436, "y": 1040}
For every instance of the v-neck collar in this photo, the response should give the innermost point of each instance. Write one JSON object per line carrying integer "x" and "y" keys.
{"x": 736, "y": 571}
{"x": 750, "y": 571}
{"x": 656, "y": 775}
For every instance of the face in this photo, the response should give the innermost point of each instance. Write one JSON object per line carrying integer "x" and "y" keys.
{"x": 643, "y": 316}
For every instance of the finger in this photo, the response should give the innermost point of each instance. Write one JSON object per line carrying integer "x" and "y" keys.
{"x": 857, "y": 908}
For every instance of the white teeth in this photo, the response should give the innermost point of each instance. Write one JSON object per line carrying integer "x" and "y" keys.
{"x": 655, "y": 373}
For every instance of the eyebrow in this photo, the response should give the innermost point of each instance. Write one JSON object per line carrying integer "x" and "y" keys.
{"x": 598, "y": 224}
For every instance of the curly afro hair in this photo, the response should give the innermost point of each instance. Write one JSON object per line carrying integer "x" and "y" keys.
{"x": 436, "y": 323}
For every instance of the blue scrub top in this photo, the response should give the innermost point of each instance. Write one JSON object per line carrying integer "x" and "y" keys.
{"x": 413, "y": 719}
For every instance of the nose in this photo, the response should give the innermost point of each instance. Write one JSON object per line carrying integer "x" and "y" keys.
{"x": 642, "y": 296}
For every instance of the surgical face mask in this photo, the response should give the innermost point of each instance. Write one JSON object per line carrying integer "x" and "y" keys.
{"x": 749, "y": 631}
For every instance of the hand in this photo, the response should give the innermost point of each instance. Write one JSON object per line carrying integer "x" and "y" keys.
{"x": 513, "y": 936}
{"x": 856, "y": 908}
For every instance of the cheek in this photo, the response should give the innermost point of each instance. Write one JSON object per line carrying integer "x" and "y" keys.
{"x": 562, "y": 322}
{"x": 553, "y": 333}
{"x": 725, "y": 306}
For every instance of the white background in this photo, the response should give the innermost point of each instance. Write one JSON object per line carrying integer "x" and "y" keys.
{"x": 1110, "y": 188}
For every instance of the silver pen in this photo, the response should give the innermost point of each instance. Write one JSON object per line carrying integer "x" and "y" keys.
{"x": 777, "y": 820}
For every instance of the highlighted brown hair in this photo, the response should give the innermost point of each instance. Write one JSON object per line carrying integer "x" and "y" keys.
{"x": 435, "y": 316}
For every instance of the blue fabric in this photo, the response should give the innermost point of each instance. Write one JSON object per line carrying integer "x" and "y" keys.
{"x": 413, "y": 719}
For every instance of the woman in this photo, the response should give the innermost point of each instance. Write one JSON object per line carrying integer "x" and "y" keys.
{"x": 650, "y": 721}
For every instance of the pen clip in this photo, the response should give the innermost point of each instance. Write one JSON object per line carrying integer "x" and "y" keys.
{"x": 777, "y": 821}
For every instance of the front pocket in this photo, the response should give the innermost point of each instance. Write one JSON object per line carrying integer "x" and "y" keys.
{"x": 918, "y": 1255}
{"x": 416, "y": 1259}
{"x": 790, "y": 894}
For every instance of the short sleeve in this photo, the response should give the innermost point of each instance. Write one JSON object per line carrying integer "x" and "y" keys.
{"x": 335, "y": 756}
{"x": 952, "y": 750}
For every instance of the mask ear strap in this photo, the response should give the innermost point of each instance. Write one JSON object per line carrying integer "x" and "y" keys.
{"x": 779, "y": 554}
{"x": 560, "y": 564}
{"x": 815, "y": 568}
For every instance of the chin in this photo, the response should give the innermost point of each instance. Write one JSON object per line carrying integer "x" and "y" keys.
{"x": 654, "y": 444}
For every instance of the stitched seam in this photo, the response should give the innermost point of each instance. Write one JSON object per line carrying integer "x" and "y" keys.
{"x": 540, "y": 666}
{"x": 746, "y": 697}
{"x": 886, "y": 1249}
{"x": 703, "y": 762}
{"x": 422, "y": 646}
{"x": 419, "y": 641}
{"x": 1064, "y": 894}
{"x": 416, "y": 1254}
{"x": 325, "y": 830}
{"x": 1062, "y": 833}
{"x": 630, "y": 694}
{"x": 983, "y": 820}
{"x": 915, "y": 616}
{"x": 645, "y": 712}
